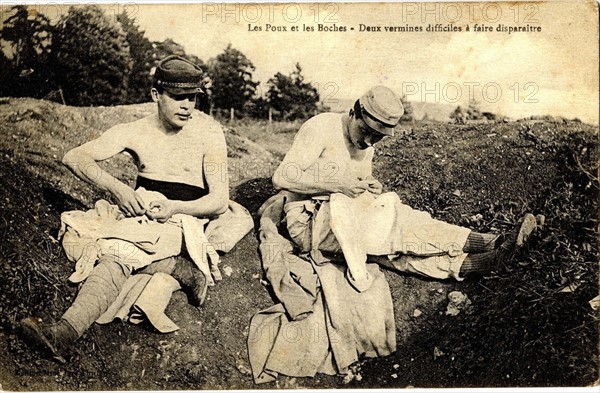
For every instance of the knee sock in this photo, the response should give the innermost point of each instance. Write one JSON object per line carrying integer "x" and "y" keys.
{"x": 480, "y": 242}
{"x": 97, "y": 293}
{"x": 478, "y": 263}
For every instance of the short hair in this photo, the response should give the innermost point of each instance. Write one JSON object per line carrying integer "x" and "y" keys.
{"x": 356, "y": 111}
{"x": 157, "y": 86}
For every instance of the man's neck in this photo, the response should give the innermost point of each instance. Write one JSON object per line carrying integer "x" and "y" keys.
{"x": 166, "y": 126}
{"x": 346, "y": 128}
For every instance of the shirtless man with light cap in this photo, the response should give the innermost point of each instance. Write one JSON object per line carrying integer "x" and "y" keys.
{"x": 333, "y": 153}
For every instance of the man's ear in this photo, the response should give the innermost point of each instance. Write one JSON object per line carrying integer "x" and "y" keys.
{"x": 155, "y": 94}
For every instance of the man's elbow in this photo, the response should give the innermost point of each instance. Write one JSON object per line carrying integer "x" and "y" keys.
{"x": 222, "y": 208}
{"x": 278, "y": 181}
{"x": 221, "y": 203}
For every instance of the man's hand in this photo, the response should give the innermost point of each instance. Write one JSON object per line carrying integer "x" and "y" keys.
{"x": 130, "y": 203}
{"x": 354, "y": 188}
{"x": 375, "y": 186}
{"x": 161, "y": 211}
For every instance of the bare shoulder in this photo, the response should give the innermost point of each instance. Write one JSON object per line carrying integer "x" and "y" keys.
{"x": 321, "y": 128}
{"x": 205, "y": 124}
{"x": 132, "y": 128}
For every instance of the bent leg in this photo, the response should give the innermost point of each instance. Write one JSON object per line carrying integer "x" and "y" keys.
{"x": 97, "y": 293}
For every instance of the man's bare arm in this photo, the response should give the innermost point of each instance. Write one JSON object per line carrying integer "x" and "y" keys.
{"x": 302, "y": 172}
{"x": 83, "y": 160}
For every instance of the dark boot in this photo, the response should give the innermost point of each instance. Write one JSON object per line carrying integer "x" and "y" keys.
{"x": 56, "y": 338}
{"x": 191, "y": 279}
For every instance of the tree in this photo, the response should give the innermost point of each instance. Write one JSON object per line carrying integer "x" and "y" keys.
{"x": 459, "y": 115}
{"x": 27, "y": 35}
{"x": 91, "y": 58}
{"x": 141, "y": 52}
{"x": 257, "y": 107}
{"x": 291, "y": 96}
{"x": 166, "y": 48}
{"x": 408, "y": 116}
{"x": 473, "y": 112}
{"x": 231, "y": 76}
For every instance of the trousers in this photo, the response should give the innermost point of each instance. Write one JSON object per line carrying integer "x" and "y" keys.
{"x": 102, "y": 287}
{"x": 409, "y": 240}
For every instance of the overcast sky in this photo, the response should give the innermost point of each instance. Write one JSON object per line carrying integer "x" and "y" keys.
{"x": 557, "y": 67}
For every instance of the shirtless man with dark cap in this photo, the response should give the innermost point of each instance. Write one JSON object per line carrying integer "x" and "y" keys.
{"x": 173, "y": 149}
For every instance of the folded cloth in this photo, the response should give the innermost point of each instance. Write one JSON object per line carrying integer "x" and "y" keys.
{"x": 292, "y": 278}
{"x": 321, "y": 324}
{"x": 134, "y": 241}
{"x": 343, "y": 326}
{"x": 144, "y": 297}
{"x": 376, "y": 225}
{"x": 137, "y": 242}
{"x": 229, "y": 228}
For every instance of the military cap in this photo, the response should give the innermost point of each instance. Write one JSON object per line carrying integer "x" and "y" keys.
{"x": 177, "y": 76}
{"x": 381, "y": 109}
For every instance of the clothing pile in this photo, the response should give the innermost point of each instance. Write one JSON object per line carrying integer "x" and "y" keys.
{"x": 322, "y": 323}
{"x": 136, "y": 242}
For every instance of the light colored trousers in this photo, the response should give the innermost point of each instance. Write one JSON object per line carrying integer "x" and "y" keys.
{"x": 377, "y": 225}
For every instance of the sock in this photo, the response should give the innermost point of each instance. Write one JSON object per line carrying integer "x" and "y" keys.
{"x": 480, "y": 242}
{"x": 478, "y": 263}
{"x": 191, "y": 279}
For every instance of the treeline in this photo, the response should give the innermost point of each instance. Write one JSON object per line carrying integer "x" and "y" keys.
{"x": 89, "y": 58}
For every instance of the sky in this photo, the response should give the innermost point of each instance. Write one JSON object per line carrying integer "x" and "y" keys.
{"x": 553, "y": 71}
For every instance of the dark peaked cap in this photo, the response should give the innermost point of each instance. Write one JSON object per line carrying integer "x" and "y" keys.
{"x": 178, "y": 76}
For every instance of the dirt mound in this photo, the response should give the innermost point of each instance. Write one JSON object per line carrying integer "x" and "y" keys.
{"x": 41, "y": 132}
{"x": 484, "y": 176}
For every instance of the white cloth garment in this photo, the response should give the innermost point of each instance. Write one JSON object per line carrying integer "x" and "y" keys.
{"x": 135, "y": 241}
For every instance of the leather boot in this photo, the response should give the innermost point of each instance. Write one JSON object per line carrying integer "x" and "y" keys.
{"x": 191, "y": 279}
{"x": 56, "y": 338}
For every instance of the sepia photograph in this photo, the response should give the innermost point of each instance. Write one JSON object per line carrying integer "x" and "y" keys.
{"x": 273, "y": 196}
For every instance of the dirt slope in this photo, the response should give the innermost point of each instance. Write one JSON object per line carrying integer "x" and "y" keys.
{"x": 482, "y": 176}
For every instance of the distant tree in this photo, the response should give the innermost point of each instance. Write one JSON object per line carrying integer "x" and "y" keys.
{"x": 231, "y": 76}
{"x": 257, "y": 107}
{"x": 6, "y": 75}
{"x": 291, "y": 96}
{"x": 459, "y": 115}
{"x": 408, "y": 116}
{"x": 90, "y": 55}
{"x": 162, "y": 49}
{"x": 141, "y": 52}
{"x": 473, "y": 111}
{"x": 27, "y": 36}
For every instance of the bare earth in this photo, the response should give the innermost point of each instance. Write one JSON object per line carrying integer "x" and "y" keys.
{"x": 532, "y": 326}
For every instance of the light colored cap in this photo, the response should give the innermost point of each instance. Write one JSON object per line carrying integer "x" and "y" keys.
{"x": 381, "y": 109}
